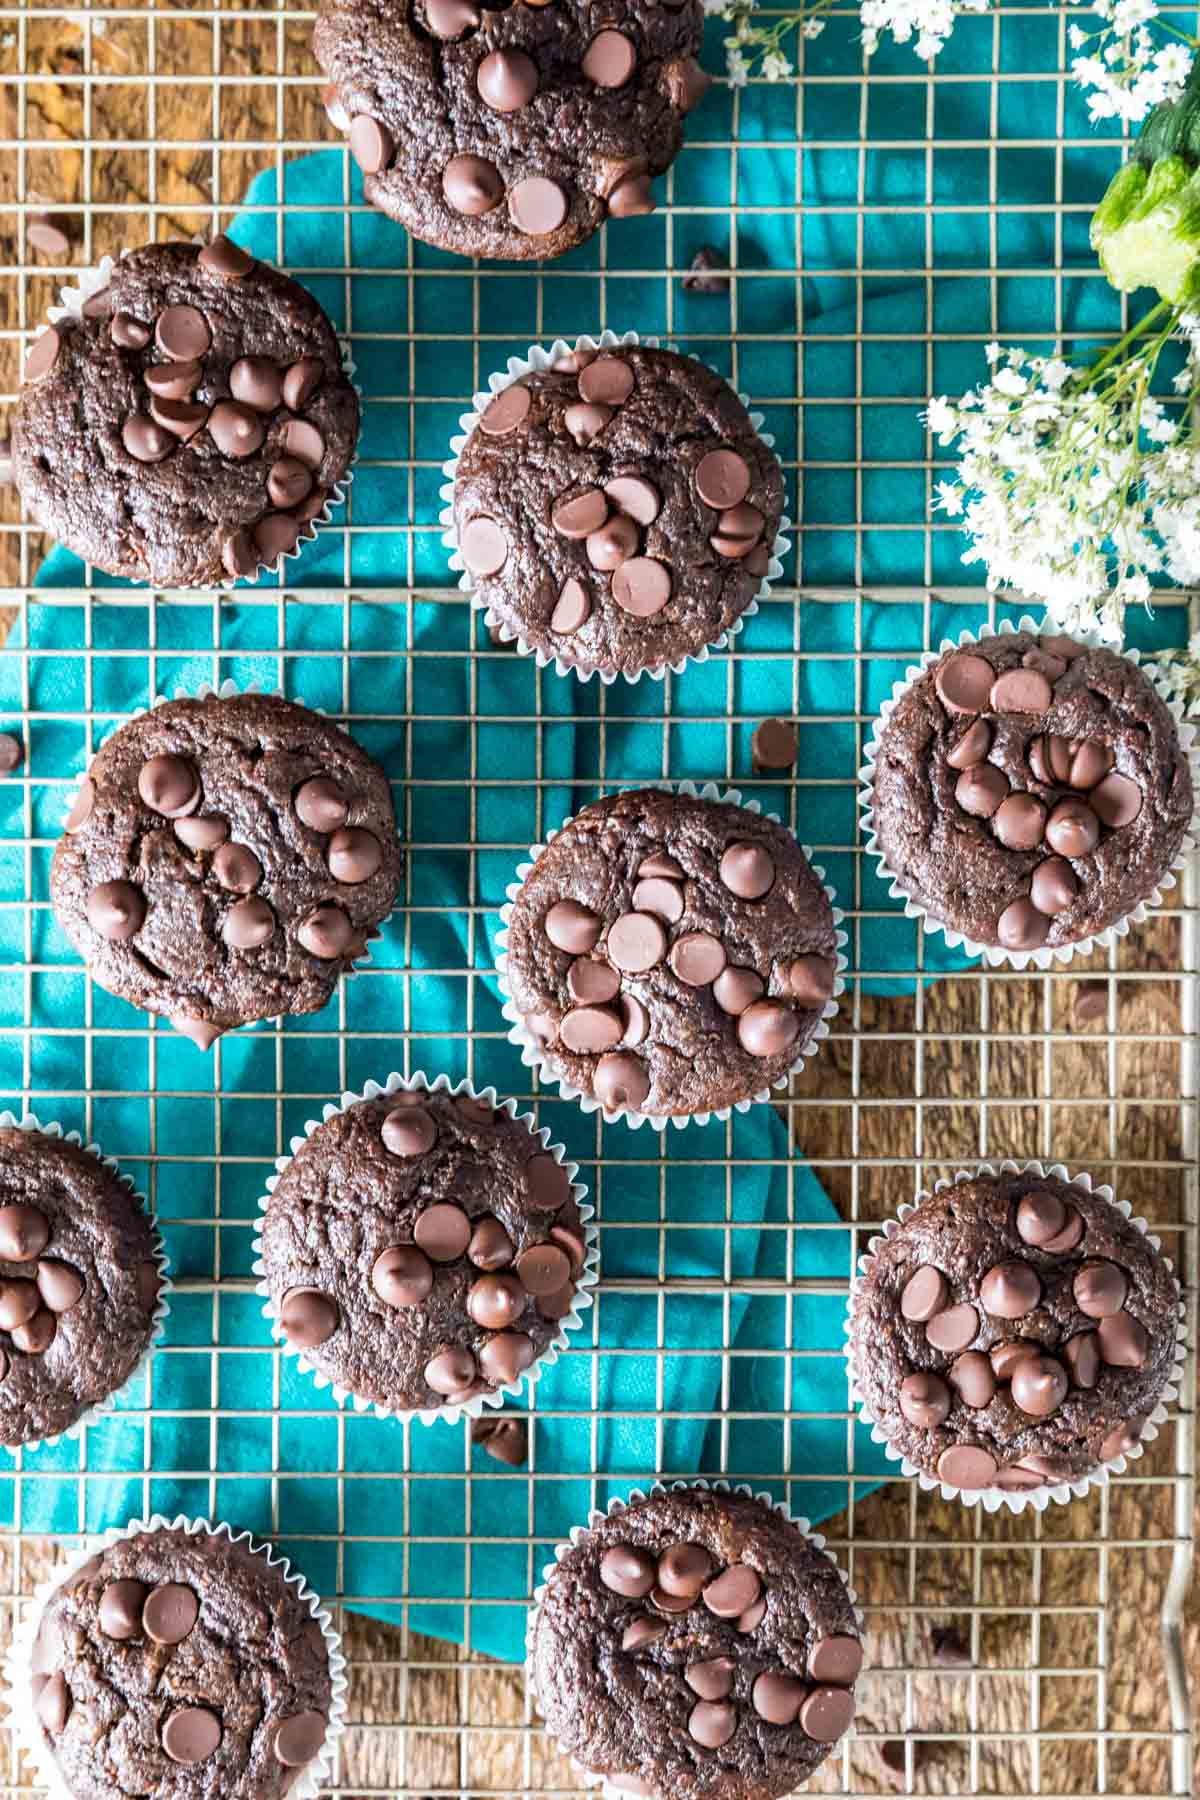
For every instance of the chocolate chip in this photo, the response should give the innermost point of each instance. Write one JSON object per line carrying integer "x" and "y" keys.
{"x": 768, "y": 1028}
{"x": 50, "y": 233}
{"x": 1053, "y": 886}
{"x": 1124, "y": 1341}
{"x": 301, "y": 382}
{"x": 747, "y": 871}
{"x": 633, "y": 495}
{"x": 537, "y": 206}
{"x": 924, "y": 1294}
{"x": 275, "y": 536}
{"x": 738, "y": 1587}
{"x": 1100, "y": 1289}
{"x": 608, "y": 381}
{"x": 609, "y": 59}
{"x": 736, "y": 989}
{"x": 60, "y": 1286}
{"x": 773, "y": 745}
{"x": 236, "y": 868}
{"x": 182, "y": 333}
{"x": 401, "y": 1276}
{"x": 682, "y": 1570}
{"x": 507, "y": 1440}
{"x": 712, "y": 1723}
{"x": 19, "y": 1300}
{"x": 168, "y": 784}
{"x": 585, "y": 422}
{"x": 508, "y": 409}
{"x": 170, "y": 1613}
{"x": 371, "y": 144}
{"x": 116, "y": 910}
{"x": 836, "y": 1658}
{"x": 1041, "y": 1215}
{"x": 973, "y": 1379}
{"x": 547, "y": 1182}
{"x": 443, "y": 1231}
{"x": 621, "y": 1080}
{"x": 472, "y": 186}
{"x": 1019, "y": 822}
{"x": 320, "y": 804}
{"x": 811, "y": 979}
{"x": 777, "y": 1698}
{"x": 120, "y": 1610}
{"x": 505, "y": 1357}
{"x": 543, "y": 1268}
{"x": 450, "y": 1371}
{"x": 1081, "y": 1354}
{"x": 1089, "y": 1002}
{"x": 636, "y": 942}
{"x": 953, "y": 1329}
{"x": 450, "y": 19}
{"x": 1073, "y": 829}
{"x": 146, "y": 441}
{"x": 484, "y": 546}
{"x": 326, "y": 933}
{"x": 129, "y": 333}
{"x": 173, "y": 380}
{"x": 613, "y": 544}
{"x": 1089, "y": 764}
{"x": 1050, "y": 759}
{"x": 1010, "y": 1290}
{"x": 592, "y": 980}
{"x": 240, "y": 554}
{"x": 827, "y": 1714}
{"x": 589, "y": 1029}
{"x": 571, "y": 927}
{"x": 632, "y": 198}
{"x": 572, "y": 609}
{"x": 1117, "y": 801}
{"x": 299, "y": 1738}
{"x": 302, "y": 440}
{"x": 307, "y": 1317}
{"x": 235, "y": 429}
{"x": 967, "y": 1466}
{"x": 722, "y": 479}
{"x": 981, "y": 790}
{"x": 495, "y": 1301}
{"x": 249, "y": 924}
{"x": 53, "y": 1704}
{"x": 37, "y": 1334}
{"x": 42, "y": 356}
{"x": 191, "y": 1734}
{"x": 225, "y": 258}
{"x": 656, "y": 894}
{"x": 697, "y": 957}
{"x": 1039, "y": 1385}
{"x": 24, "y": 1232}
{"x": 964, "y": 683}
{"x": 184, "y": 419}
{"x": 1021, "y": 926}
{"x": 949, "y": 1647}
{"x": 11, "y": 753}
{"x": 354, "y": 855}
{"x": 1021, "y": 691}
{"x": 642, "y": 586}
{"x": 707, "y": 273}
{"x": 507, "y": 80}
{"x": 628, "y": 1571}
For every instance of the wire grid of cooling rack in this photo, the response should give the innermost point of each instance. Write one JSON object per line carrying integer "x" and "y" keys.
{"x": 881, "y": 224}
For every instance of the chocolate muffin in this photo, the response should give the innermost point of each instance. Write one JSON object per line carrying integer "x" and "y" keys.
{"x": 669, "y": 955}
{"x": 80, "y": 1273}
{"x": 226, "y": 860}
{"x": 182, "y": 1664}
{"x": 695, "y": 1644}
{"x": 422, "y": 1248}
{"x": 1014, "y": 1332}
{"x": 617, "y": 510}
{"x": 514, "y": 131}
{"x": 191, "y": 424}
{"x": 1029, "y": 790}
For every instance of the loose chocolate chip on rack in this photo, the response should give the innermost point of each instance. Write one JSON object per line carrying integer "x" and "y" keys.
{"x": 507, "y": 1440}
{"x": 707, "y": 273}
{"x": 50, "y": 233}
{"x": 308, "y": 1317}
{"x": 773, "y": 745}
{"x": 949, "y": 1648}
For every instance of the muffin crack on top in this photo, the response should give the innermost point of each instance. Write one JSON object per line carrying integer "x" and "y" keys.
{"x": 1014, "y": 1331}
{"x": 617, "y": 510}
{"x": 190, "y": 423}
{"x": 180, "y": 1664}
{"x": 696, "y": 1643}
{"x": 511, "y": 131}
{"x": 226, "y": 860}
{"x": 670, "y": 954}
{"x": 1030, "y": 790}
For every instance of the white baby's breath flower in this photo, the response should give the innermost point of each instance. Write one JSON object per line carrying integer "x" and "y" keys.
{"x": 993, "y": 351}
{"x": 941, "y": 418}
{"x": 736, "y": 67}
{"x": 776, "y": 66}
{"x": 812, "y": 28}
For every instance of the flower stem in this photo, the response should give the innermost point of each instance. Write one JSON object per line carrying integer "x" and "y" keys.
{"x": 1115, "y": 351}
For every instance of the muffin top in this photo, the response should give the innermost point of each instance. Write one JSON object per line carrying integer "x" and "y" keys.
{"x": 191, "y": 424}
{"x": 696, "y": 1644}
{"x": 421, "y": 1248}
{"x": 1014, "y": 1332}
{"x": 180, "y": 1665}
{"x": 226, "y": 860}
{"x": 79, "y": 1282}
{"x": 671, "y": 955}
{"x": 514, "y": 131}
{"x": 617, "y": 510}
{"x": 1029, "y": 790}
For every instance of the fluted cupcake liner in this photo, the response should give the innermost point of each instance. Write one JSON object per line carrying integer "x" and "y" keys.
{"x": 537, "y": 358}
{"x": 31, "y": 1123}
{"x": 597, "y": 1778}
{"x": 1047, "y": 955}
{"x": 533, "y": 1053}
{"x": 17, "y": 1667}
{"x": 71, "y": 301}
{"x": 228, "y": 690}
{"x": 585, "y": 1282}
{"x": 1062, "y": 1492}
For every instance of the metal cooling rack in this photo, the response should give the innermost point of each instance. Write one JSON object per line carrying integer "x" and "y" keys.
{"x": 881, "y": 224}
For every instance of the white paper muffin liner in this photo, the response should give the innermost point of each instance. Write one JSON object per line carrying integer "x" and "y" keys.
{"x": 994, "y": 1499}
{"x": 537, "y": 358}
{"x": 70, "y": 305}
{"x": 31, "y": 1123}
{"x": 1047, "y": 954}
{"x": 227, "y": 690}
{"x": 585, "y": 1281}
{"x": 19, "y": 1698}
{"x": 597, "y": 1778}
{"x": 533, "y": 1053}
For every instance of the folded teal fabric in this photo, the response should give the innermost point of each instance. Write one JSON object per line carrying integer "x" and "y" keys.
{"x": 685, "y": 1373}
